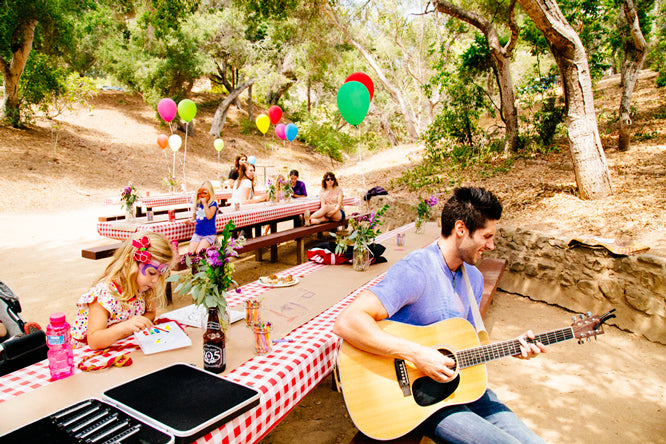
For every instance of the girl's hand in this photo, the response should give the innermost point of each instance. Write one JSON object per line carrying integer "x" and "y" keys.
{"x": 136, "y": 323}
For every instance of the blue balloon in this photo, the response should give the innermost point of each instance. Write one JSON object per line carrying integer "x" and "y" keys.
{"x": 291, "y": 131}
{"x": 252, "y": 160}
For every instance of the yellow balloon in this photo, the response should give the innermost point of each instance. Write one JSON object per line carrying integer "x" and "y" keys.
{"x": 218, "y": 144}
{"x": 263, "y": 123}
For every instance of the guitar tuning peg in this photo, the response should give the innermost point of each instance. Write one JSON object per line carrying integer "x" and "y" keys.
{"x": 574, "y": 318}
{"x": 582, "y": 316}
{"x": 589, "y": 314}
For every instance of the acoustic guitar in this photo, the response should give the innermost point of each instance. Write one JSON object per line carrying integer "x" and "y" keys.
{"x": 387, "y": 398}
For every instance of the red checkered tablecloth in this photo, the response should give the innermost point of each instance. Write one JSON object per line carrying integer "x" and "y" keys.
{"x": 161, "y": 200}
{"x": 180, "y": 230}
{"x": 283, "y": 377}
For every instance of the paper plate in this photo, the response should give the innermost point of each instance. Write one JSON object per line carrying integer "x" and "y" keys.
{"x": 294, "y": 281}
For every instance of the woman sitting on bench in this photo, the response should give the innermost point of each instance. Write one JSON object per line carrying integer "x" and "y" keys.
{"x": 331, "y": 202}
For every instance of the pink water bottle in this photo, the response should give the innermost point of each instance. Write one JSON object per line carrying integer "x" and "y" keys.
{"x": 59, "y": 341}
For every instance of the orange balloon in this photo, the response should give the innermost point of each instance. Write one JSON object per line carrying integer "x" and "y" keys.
{"x": 162, "y": 141}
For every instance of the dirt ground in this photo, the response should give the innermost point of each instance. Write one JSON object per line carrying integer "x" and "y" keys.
{"x": 56, "y": 174}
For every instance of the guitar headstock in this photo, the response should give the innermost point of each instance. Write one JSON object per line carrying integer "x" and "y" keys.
{"x": 587, "y": 326}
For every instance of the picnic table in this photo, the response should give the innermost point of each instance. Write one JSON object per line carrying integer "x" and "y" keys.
{"x": 304, "y": 314}
{"x": 161, "y": 202}
{"x": 248, "y": 216}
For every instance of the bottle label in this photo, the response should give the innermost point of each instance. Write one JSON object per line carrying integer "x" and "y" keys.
{"x": 214, "y": 356}
{"x": 212, "y": 325}
{"x": 55, "y": 340}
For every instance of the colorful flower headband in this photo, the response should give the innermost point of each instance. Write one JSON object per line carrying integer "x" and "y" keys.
{"x": 143, "y": 256}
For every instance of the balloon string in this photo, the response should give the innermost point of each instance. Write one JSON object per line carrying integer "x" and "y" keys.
{"x": 185, "y": 157}
{"x": 367, "y": 202}
{"x": 166, "y": 159}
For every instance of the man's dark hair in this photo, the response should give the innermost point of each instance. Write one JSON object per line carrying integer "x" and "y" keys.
{"x": 293, "y": 173}
{"x": 473, "y": 206}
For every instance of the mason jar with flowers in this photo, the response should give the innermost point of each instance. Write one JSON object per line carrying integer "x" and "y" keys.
{"x": 364, "y": 229}
{"x": 211, "y": 277}
{"x": 424, "y": 211}
{"x": 128, "y": 198}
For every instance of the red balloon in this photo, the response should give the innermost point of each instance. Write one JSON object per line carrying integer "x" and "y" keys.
{"x": 364, "y": 79}
{"x": 162, "y": 141}
{"x": 275, "y": 114}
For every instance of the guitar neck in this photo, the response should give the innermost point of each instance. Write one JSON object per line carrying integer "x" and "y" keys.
{"x": 485, "y": 353}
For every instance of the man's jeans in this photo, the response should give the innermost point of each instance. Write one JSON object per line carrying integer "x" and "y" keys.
{"x": 486, "y": 420}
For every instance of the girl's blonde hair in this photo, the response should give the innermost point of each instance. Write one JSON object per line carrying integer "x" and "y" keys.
{"x": 208, "y": 186}
{"x": 123, "y": 269}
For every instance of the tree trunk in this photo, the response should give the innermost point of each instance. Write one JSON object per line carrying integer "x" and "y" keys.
{"x": 309, "y": 93}
{"x": 502, "y": 58}
{"x": 635, "y": 52}
{"x": 220, "y": 116}
{"x": 21, "y": 45}
{"x": 395, "y": 92}
{"x": 249, "y": 103}
{"x": 587, "y": 153}
{"x": 386, "y": 126}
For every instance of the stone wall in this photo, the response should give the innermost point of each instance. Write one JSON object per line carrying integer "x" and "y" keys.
{"x": 543, "y": 267}
{"x": 582, "y": 279}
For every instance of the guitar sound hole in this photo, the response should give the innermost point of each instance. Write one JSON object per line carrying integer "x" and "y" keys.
{"x": 427, "y": 391}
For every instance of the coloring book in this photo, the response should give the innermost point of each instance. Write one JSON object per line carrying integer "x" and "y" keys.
{"x": 162, "y": 337}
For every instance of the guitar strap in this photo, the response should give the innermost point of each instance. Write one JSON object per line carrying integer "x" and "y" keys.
{"x": 478, "y": 322}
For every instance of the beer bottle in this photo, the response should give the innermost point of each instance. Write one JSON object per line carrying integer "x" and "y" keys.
{"x": 215, "y": 358}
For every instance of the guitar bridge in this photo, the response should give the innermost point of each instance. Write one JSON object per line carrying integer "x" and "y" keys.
{"x": 402, "y": 377}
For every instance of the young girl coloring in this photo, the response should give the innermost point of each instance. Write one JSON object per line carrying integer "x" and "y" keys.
{"x": 124, "y": 299}
{"x": 204, "y": 211}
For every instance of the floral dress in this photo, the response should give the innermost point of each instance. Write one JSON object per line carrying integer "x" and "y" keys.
{"x": 105, "y": 294}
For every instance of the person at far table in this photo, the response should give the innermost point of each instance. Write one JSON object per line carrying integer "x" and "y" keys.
{"x": 124, "y": 299}
{"x": 426, "y": 287}
{"x": 297, "y": 186}
{"x": 331, "y": 202}
{"x": 233, "y": 174}
{"x": 243, "y": 189}
{"x": 204, "y": 211}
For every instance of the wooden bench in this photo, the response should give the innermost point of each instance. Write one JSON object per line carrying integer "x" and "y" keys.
{"x": 100, "y": 251}
{"x": 296, "y": 234}
{"x": 492, "y": 270}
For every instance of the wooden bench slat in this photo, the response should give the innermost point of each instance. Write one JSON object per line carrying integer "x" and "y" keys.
{"x": 100, "y": 251}
{"x": 297, "y": 234}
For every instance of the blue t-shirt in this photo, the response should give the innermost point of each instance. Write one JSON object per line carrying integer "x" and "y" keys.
{"x": 419, "y": 290}
{"x": 204, "y": 226}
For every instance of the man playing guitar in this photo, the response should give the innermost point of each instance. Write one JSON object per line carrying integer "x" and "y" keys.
{"x": 426, "y": 287}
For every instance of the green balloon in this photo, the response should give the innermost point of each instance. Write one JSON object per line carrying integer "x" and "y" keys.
{"x": 187, "y": 109}
{"x": 353, "y": 102}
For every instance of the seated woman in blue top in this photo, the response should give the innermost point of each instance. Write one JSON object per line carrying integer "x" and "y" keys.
{"x": 297, "y": 186}
{"x": 204, "y": 211}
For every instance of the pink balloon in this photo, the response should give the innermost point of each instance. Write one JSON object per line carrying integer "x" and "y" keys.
{"x": 280, "y": 131}
{"x": 167, "y": 109}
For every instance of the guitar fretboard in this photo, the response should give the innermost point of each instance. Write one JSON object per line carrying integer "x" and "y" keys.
{"x": 485, "y": 353}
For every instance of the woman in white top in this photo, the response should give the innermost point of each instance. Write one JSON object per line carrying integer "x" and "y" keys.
{"x": 243, "y": 189}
